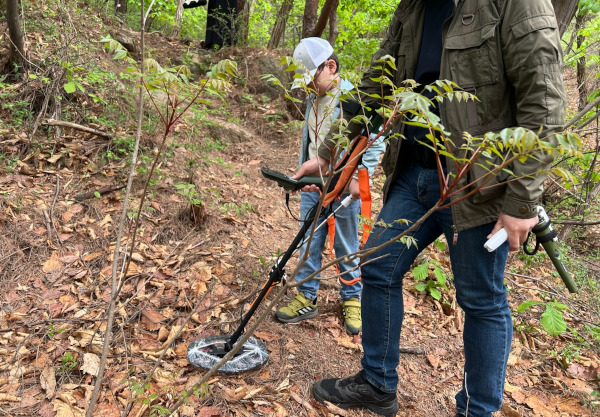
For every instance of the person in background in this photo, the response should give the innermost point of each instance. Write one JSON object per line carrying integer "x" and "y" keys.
{"x": 220, "y": 24}
{"x": 508, "y": 53}
{"x": 320, "y": 71}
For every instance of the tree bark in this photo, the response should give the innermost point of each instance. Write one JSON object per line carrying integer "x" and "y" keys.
{"x": 280, "y": 24}
{"x": 565, "y": 12}
{"x": 309, "y": 20}
{"x": 333, "y": 23}
{"x": 582, "y": 85}
{"x": 15, "y": 33}
{"x": 244, "y": 20}
{"x": 178, "y": 18}
{"x": 121, "y": 6}
{"x": 321, "y": 24}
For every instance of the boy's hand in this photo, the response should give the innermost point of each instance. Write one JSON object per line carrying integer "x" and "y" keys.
{"x": 316, "y": 166}
{"x": 354, "y": 190}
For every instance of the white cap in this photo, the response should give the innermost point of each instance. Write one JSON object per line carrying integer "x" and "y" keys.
{"x": 310, "y": 52}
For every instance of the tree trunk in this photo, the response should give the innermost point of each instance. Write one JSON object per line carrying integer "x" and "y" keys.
{"x": 333, "y": 24}
{"x": 565, "y": 11}
{"x": 178, "y": 18}
{"x": 582, "y": 86}
{"x": 309, "y": 21}
{"x": 15, "y": 33}
{"x": 279, "y": 28}
{"x": 244, "y": 21}
{"x": 121, "y": 6}
{"x": 321, "y": 24}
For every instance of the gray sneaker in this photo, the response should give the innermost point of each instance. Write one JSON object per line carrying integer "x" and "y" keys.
{"x": 355, "y": 392}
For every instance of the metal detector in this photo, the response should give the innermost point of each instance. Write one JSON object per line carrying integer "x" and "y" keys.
{"x": 206, "y": 352}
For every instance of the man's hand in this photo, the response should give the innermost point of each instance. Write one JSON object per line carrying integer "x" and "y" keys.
{"x": 516, "y": 229}
{"x": 316, "y": 166}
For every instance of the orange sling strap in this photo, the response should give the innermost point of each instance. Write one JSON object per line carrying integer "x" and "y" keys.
{"x": 365, "y": 211}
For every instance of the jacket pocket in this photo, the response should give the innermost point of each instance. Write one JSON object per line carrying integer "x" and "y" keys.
{"x": 468, "y": 51}
{"x": 533, "y": 24}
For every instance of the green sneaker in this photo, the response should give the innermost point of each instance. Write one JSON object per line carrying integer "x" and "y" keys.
{"x": 352, "y": 317}
{"x": 301, "y": 308}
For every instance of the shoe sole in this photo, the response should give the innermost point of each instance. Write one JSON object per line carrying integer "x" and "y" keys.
{"x": 389, "y": 411}
{"x": 352, "y": 330}
{"x": 306, "y": 316}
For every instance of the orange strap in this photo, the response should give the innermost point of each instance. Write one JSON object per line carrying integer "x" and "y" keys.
{"x": 365, "y": 211}
{"x": 331, "y": 230}
{"x": 365, "y": 202}
{"x": 351, "y": 163}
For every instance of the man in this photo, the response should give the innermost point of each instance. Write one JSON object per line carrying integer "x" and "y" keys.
{"x": 508, "y": 53}
{"x": 320, "y": 71}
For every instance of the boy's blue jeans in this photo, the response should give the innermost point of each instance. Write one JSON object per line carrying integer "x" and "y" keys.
{"x": 480, "y": 292}
{"x": 344, "y": 243}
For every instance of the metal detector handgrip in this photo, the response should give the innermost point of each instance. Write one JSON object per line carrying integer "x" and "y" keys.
{"x": 548, "y": 238}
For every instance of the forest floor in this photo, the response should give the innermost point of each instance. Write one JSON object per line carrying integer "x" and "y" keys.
{"x": 56, "y": 252}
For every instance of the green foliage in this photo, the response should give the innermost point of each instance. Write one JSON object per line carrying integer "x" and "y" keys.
{"x": 432, "y": 282}
{"x": 238, "y": 209}
{"x": 143, "y": 392}
{"x": 67, "y": 363}
{"x": 53, "y": 331}
{"x": 552, "y": 319}
{"x": 162, "y": 17}
{"x": 190, "y": 193}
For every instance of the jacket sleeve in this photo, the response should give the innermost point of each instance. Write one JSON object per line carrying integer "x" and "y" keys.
{"x": 388, "y": 46}
{"x": 533, "y": 62}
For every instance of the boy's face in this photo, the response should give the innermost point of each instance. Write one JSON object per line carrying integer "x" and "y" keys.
{"x": 324, "y": 78}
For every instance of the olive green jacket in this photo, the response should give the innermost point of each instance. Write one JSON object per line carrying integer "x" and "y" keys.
{"x": 507, "y": 53}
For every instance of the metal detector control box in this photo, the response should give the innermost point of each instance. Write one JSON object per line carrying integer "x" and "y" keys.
{"x": 288, "y": 183}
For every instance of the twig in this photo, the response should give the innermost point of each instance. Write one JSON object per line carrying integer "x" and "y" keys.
{"x": 412, "y": 350}
{"x": 577, "y": 222}
{"x": 53, "y": 122}
{"x": 14, "y": 253}
{"x": 582, "y": 113}
{"x": 116, "y": 253}
{"x": 52, "y": 209}
{"x": 48, "y": 223}
{"x": 104, "y": 190}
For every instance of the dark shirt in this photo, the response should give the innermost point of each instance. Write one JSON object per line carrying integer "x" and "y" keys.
{"x": 428, "y": 71}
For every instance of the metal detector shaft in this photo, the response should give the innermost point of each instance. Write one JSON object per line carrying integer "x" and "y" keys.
{"x": 275, "y": 276}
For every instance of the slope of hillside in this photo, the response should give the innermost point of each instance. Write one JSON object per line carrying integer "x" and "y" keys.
{"x": 61, "y": 196}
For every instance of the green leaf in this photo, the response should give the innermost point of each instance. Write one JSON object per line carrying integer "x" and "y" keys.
{"x": 552, "y": 321}
{"x": 420, "y": 272}
{"x": 70, "y": 87}
{"x": 420, "y": 286}
{"x": 439, "y": 274}
{"x": 435, "y": 293}
{"x": 527, "y": 304}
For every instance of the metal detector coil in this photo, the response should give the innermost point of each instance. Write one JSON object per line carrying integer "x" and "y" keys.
{"x": 205, "y": 353}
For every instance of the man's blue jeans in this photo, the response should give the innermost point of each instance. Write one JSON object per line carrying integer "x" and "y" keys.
{"x": 344, "y": 243}
{"x": 480, "y": 292}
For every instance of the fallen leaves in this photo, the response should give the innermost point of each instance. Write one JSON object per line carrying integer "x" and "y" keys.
{"x": 91, "y": 364}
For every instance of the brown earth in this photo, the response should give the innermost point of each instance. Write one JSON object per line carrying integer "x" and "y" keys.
{"x": 55, "y": 268}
